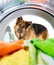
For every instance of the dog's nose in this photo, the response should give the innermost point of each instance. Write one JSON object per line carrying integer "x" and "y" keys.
{"x": 19, "y": 30}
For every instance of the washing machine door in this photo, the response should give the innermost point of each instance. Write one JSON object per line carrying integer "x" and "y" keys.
{"x": 22, "y": 10}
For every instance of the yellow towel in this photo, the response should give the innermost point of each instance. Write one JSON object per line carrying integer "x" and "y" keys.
{"x": 20, "y": 57}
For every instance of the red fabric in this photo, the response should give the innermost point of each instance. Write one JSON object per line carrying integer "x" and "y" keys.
{"x": 7, "y": 48}
{"x": 42, "y": 1}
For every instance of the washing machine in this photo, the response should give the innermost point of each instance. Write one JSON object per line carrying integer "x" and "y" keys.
{"x": 41, "y": 13}
{"x": 36, "y": 12}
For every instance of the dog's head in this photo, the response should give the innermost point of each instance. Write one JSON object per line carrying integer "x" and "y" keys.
{"x": 21, "y": 27}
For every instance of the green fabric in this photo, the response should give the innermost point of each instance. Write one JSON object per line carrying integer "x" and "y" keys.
{"x": 32, "y": 50}
{"x": 30, "y": 56}
{"x": 16, "y": 1}
{"x": 21, "y": 57}
{"x": 35, "y": 56}
{"x": 46, "y": 46}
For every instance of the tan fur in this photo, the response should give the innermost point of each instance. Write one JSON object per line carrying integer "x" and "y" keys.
{"x": 43, "y": 36}
{"x": 29, "y": 32}
{"x": 27, "y": 29}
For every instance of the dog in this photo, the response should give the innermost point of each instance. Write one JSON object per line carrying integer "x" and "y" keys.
{"x": 27, "y": 30}
{"x": 23, "y": 29}
{"x": 40, "y": 31}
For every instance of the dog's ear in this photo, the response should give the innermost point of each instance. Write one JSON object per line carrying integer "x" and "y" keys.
{"x": 18, "y": 20}
{"x": 28, "y": 23}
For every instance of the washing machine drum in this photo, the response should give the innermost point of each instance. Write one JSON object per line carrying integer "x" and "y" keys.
{"x": 34, "y": 10}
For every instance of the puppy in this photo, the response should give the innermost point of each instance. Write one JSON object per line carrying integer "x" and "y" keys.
{"x": 40, "y": 31}
{"x": 23, "y": 29}
{"x": 28, "y": 30}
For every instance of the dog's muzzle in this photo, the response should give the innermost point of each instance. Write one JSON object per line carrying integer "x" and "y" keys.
{"x": 19, "y": 31}
{"x": 20, "y": 37}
